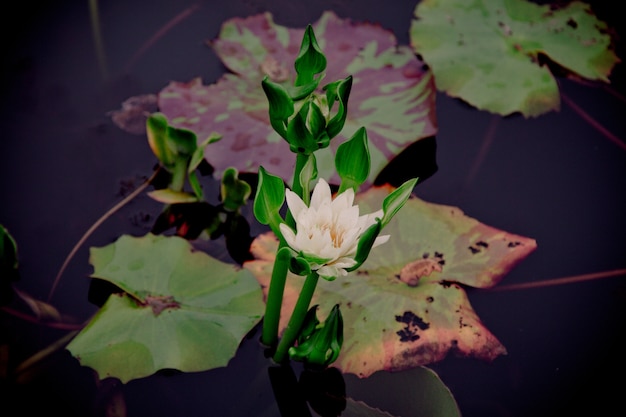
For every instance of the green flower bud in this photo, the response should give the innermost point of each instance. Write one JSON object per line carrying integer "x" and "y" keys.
{"x": 319, "y": 344}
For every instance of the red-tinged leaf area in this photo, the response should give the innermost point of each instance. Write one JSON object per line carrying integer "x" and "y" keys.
{"x": 407, "y": 306}
{"x": 392, "y": 95}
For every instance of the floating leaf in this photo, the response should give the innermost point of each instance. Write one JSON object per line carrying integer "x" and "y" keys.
{"x": 392, "y": 94}
{"x": 490, "y": 52}
{"x": 180, "y": 309}
{"x": 406, "y": 305}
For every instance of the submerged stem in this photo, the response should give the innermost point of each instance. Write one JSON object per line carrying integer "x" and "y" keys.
{"x": 97, "y": 37}
{"x": 97, "y": 224}
{"x": 561, "y": 281}
{"x": 297, "y": 317}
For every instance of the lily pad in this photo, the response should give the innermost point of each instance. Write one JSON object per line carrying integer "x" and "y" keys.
{"x": 180, "y": 309}
{"x": 407, "y": 306}
{"x": 490, "y": 53}
{"x": 392, "y": 95}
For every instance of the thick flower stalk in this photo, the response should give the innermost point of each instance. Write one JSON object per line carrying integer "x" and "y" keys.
{"x": 328, "y": 230}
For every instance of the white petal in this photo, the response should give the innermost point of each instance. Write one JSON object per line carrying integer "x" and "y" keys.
{"x": 295, "y": 203}
{"x": 321, "y": 194}
{"x": 343, "y": 200}
{"x": 330, "y": 272}
{"x": 288, "y": 235}
{"x": 380, "y": 240}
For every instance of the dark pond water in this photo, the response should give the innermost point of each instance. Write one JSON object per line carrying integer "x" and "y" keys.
{"x": 554, "y": 178}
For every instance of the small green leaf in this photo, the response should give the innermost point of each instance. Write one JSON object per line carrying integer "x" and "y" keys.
{"x": 269, "y": 199}
{"x": 352, "y": 161}
{"x": 396, "y": 199}
{"x": 198, "y": 154}
{"x": 156, "y": 130}
{"x": 234, "y": 192}
{"x": 182, "y": 141}
{"x": 340, "y": 92}
{"x": 169, "y": 196}
{"x": 310, "y": 60}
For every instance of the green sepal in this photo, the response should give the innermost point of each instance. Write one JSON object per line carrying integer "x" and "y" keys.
{"x": 352, "y": 161}
{"x": 234, "y": 192}
{"x": 310, "y": 60}
{"x": 323, "y": 344}
{"x": 396, "y": 199}
{"x": 366, "y": 241}
{"x": 338, "y": 91}
{"x": 309, "y": 325}
{"x": 269, "y": 199}
{"x": 280, "y": 105}
{"x": 299, "y": 266}
{"x": 157, "y": 132}
{"x": 299, "y": 137}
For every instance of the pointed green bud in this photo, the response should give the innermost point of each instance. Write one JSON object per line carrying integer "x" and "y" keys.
{"x": 338, "y": 91}
{"x": 269, "y": 199}
{"x": 308, "y": 174}
{"x": 280, "y": 105}
{"x": 396, "y": 199}
{"x": 234, "y": 192}
{"x": 352, "y": 161}
{"x": 310, "y": 60}
{"x": 319, "y": 345}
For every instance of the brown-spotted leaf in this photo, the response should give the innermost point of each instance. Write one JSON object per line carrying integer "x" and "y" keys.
{"x": 392, "y": 95}
{"x": 406, "y": 306}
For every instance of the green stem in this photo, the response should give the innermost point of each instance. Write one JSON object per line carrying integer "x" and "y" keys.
{"x": 297, "y": 317}
{"x": 179, "y": 173}
{"x": 274, "y": 301}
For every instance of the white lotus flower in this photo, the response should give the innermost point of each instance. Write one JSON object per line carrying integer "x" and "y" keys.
{"x": 328, "y": 231}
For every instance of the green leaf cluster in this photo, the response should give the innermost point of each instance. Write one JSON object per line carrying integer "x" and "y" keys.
{"x": 305, "y": 119}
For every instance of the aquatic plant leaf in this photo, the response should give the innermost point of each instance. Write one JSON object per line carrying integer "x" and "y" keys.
{"x": 392, "y": 94}
{"x": 406, "y": 305}
{"x": 490, "y": 53}
{"x": 425, "y": 395}
{"x": 180, "y": 309}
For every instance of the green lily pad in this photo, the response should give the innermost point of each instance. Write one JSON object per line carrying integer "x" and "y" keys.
{"x": 489, "y": 52}
{"x": 181, "y": 309}
{"x": 407, "y": 306}
{"x": 392, "y": 95}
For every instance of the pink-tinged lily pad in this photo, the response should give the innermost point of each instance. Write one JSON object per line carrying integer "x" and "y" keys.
{"x": 407, "y": 306}
{"x": 392, "y": 94}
